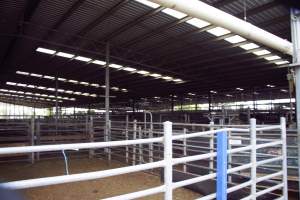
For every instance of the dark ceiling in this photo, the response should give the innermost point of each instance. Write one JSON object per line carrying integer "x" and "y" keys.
{"x": 141, "y": 37}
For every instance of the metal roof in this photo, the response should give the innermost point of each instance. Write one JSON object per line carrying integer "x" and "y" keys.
{"x": 141, "y": 37}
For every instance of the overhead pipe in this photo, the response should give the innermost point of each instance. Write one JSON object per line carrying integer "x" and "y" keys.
{"x": 203, "y": 11}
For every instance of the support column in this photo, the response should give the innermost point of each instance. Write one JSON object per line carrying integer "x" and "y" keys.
{"x": 295, "y": 26}
{"x": 107, "y": 87}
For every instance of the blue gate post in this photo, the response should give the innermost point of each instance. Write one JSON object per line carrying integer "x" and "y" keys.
{"x": 222, "y": 165}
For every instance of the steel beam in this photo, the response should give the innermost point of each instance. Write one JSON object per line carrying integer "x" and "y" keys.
{"x": 295, "y": 30}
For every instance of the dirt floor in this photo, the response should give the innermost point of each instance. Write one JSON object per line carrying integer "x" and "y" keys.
{"x": 88, "y": 190}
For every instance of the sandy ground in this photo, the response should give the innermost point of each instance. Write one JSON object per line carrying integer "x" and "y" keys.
{"x": 88, "y": 190}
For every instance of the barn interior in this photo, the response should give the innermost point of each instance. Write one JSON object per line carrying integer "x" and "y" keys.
{"x": 92, "y": 71}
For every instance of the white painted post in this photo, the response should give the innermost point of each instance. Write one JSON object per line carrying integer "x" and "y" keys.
{"x": 253, "y": 157}
{"x": 126, "y": 137}
{"x": 91, "y": 136}
{"x": 168, "y": 154}
{"x": 134, "y": 146}
{"x": 229, "y": 156}
{"x": 140, "y": 146}
{"x": 38, "y": 137}
{"x": 32, "y": 125}
{"x": 151, "y": 144}
{"x": 109, "y": 139}
{"x": 211, "y": 149}
{"x": 184, "y": 149}
{"x": 284, "y": 158}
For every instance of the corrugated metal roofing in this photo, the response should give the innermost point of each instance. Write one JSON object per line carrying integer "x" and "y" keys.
{"x": 159, "y": 44}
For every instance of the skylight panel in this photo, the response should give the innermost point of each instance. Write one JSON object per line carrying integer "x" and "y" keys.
{"x": 49, "y": 77}
{"x": 129, "y": 69}
{"x": 261, "y": 52}
{"x": 22, "y": 73}
{"x": 115, "y": 66}
{"x": 41, "y": 87}
{"x": 44, "y": 50}
{"x": 155, "y": 75}
{"x": 73, "y": 81}
{"x": 167, "y": 78}
{"x": 282, "y": 62}
{"x": 174, "y": 13}
{"x": 62, "y": 79}
{"x": 148, "y": 3}
{"x": 95, "y": 85}
{"x": 65, "y": 55}
{"x": 115, "y": 88}
{"x": 143, "y": 72}
{"x": 21, "y": 85}
{"x": 11, "y": 83}
{"x": 84, "y": 83}
{"x": 69, "y": 91}
{"x": 36, "y": 75}
{"x": 218, "y": 31}
{"x": 249, "y": 46}
{"x": 270, "y": 58}
{"x": 99, "y": 62}
{"x": 198, "y": 22}
{"x": 84, "y": 59}
{"x": 270, "y": 86}
{"x": 235, "y": 39}
{"x": 178, "y": 80}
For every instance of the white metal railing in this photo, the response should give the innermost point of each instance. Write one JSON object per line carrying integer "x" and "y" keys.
{"x": 168, "y": 162}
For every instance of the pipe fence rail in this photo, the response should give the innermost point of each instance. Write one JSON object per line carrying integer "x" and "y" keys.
{"x": 175, "y": 148}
